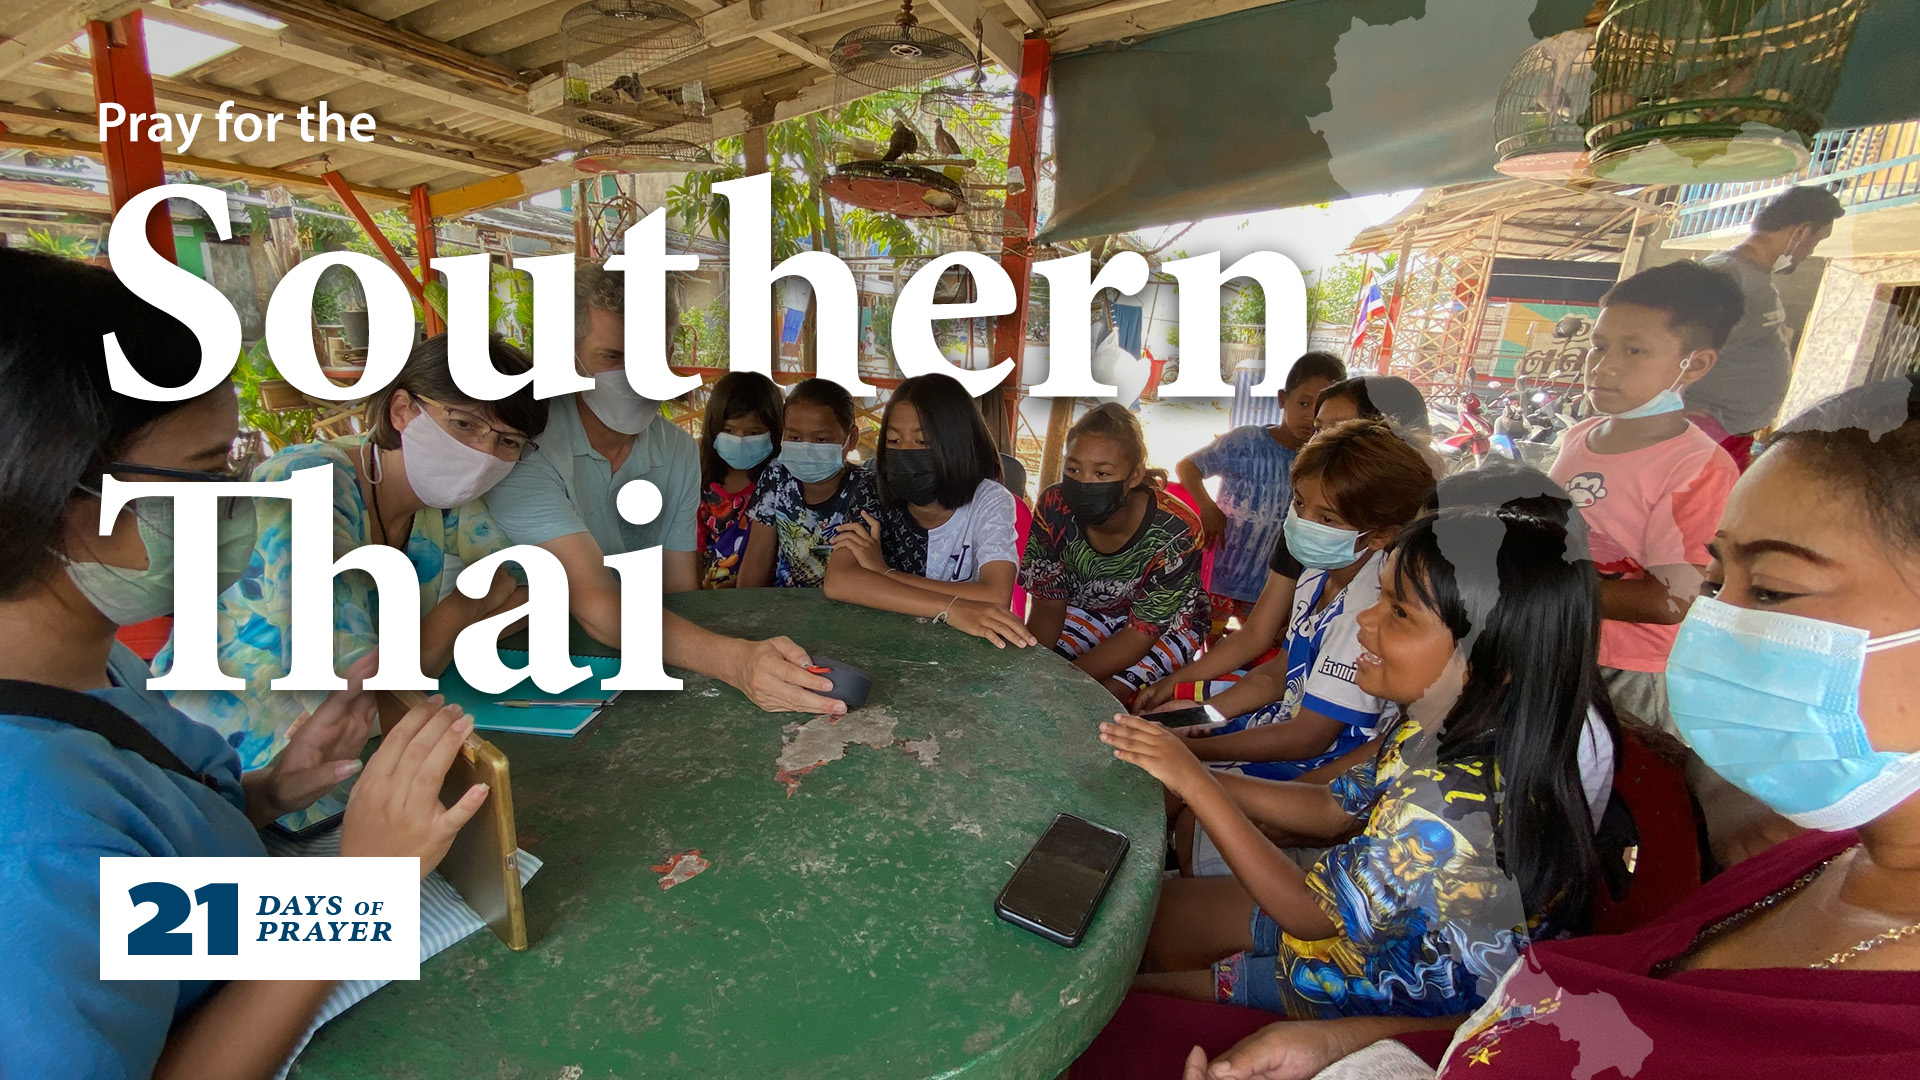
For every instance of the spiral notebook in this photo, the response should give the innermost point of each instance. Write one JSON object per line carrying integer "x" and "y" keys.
{"x": 489, "y": 715}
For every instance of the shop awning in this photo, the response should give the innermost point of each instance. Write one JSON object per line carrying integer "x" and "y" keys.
{"x": 1314, "y": 100}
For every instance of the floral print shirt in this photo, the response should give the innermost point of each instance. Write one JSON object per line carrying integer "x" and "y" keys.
{"x": 256, "y": 612}
{"x": 1429, "y": 920}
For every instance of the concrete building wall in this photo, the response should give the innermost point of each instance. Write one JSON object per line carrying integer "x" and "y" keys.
{"x": 1848, "y": 316}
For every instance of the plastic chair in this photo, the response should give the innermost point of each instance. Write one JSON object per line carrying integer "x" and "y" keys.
{"x": 1667, "y": 864}
{"x": 1179, "y": 491}
{"x": 1022, "y": 525}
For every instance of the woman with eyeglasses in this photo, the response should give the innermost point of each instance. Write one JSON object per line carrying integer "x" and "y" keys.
{"x": 92, "y": 763}
{"x": 415, "y": 482}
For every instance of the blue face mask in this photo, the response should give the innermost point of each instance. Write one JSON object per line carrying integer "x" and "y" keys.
{"x": 1772, "y": 702}
{"x": 743, "y": 451}
{"x": 1322, "y": 547}
{"x": 1666, "y": 401}
{"x": 1662, "y": 403}
{"x": 811, "y": 463}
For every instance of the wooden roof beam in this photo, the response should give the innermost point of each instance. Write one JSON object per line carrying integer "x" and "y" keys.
{"x": 790, "y": 42}
{"x": 1104, "y": 22}
{"x": 58, "y": 24}
{"x": 348, "y": 26}
{"x": 740, "y": 21}
{"x": 999, "y": 43}
{"x": 389, "y": 140}
{"x": 329, "y": 57}
{"x": 235, "y": 169}
{"x": 499, "y": 190}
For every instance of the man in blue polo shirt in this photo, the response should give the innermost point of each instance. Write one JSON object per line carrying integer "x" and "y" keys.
{"x": 561, "y": 497}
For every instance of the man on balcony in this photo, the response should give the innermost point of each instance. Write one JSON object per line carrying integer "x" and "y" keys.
{"x": 1741, "y": 394}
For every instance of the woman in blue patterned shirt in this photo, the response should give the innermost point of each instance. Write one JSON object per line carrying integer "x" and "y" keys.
{"x": 413, "y": 482}
{"x": 1474, "y": 834}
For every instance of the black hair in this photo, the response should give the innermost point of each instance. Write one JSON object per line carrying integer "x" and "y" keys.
{"x": 61, "y": 424}
{"x": 427, "y": 374}
{"x": 737, "y": 394}
{"x": 1519, "y": 592}
{"x": 1315, "y": 365}
{"x": 825, "y": 394}
{"x": 1113, "y": 421}
{"x": 963, "y": 450}
{"x": 1387, "y": 397}
{"x": 1867, "y": 440}
{"x": 1799, "y": 206}
{"x": 1701, "y": 304}
{"x": 1518, "y": 487}
{"x": 1374, "y": 475}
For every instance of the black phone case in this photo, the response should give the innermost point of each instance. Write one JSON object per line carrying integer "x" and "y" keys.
{"x": 1069, "y": 941}
{"x": 1179, "y": 718}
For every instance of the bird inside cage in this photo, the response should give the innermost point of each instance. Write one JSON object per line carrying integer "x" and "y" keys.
{"x": 943, "y": 141}
{"x": 902, "y": 143}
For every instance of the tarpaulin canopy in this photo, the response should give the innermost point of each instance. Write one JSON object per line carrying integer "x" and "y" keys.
{"x": 1313, "y": 100}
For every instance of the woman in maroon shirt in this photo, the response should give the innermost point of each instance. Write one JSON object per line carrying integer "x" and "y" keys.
{"x": 1799, "y": 681}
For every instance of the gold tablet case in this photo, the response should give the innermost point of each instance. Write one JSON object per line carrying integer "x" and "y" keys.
{"x": 483, "y": 864}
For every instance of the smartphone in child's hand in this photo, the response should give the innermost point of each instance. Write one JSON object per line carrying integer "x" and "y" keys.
{"x": 1193, "y": 716}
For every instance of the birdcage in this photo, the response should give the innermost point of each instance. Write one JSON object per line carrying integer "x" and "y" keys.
{"x": 897, "y": 188}
{"x": 1540, "y": 117}
{"x": 634, "y": 69}
{"x": 680, "y": 148}
{"x": 1713, "y": 91}
{"x": 897, "y": 53}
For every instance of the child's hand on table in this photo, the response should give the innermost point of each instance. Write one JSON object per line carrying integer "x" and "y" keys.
{"x": 995, "y": 622}
{"x": 1161, "y": 753}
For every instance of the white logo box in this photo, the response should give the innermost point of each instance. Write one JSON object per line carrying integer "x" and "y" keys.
{"x": 352, "y": 918}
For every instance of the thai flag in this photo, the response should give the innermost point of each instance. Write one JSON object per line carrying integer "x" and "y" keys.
{"x": 1372, "y": 303}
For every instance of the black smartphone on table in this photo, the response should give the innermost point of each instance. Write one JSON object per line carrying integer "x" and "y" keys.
{"x": 1060, "y": 883}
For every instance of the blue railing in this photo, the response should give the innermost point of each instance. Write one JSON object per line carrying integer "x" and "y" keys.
{"x": 1867, "y": 168}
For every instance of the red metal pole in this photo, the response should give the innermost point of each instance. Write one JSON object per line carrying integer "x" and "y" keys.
{"x": 121, "y": 77}
{"x": 421, "y": 207}
{"x": 1016, "y": 250}
{"x": 352, "y": 204}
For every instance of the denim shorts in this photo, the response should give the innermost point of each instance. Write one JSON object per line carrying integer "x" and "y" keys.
{"x": 1251, "y": 978}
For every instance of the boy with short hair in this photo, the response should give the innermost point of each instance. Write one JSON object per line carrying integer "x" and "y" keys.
{"x": 1255, "y": 465}
{"x": 1649, "y": 484}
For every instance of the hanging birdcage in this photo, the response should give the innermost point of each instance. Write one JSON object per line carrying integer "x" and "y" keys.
{"x": 634, "y": 69}
{"x": 970, "y": 96}
{"x": 899, "y": 53}
{"x": 1713, "y": 91}
{"x": 680, "y": 148}
{"x": 1539, "y": 119}
{"x": 897, "y": 188}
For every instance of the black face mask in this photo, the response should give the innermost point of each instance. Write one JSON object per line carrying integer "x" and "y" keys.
{"x": 910, "y": 476}
{"x": 1093, "y": 504}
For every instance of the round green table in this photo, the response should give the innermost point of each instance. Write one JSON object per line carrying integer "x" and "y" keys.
{"x": 845, "y": 926}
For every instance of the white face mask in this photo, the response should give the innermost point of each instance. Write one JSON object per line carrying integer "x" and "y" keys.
{"x": 129, "y": 597}
{"x": 618, "y": 404}
{"x": 443, "y": 471}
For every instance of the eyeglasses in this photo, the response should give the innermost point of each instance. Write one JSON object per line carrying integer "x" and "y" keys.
{"x": 230, "y": 474}
{"x": 470, "y": 429}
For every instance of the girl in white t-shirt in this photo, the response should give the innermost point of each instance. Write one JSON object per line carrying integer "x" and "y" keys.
{"x": 944, "y": 544}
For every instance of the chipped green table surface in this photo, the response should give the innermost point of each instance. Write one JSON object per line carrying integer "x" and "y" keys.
{"x": 845, "y": 929}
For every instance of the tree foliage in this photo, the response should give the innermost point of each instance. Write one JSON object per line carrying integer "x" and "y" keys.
{"x": 801, "y": 155}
